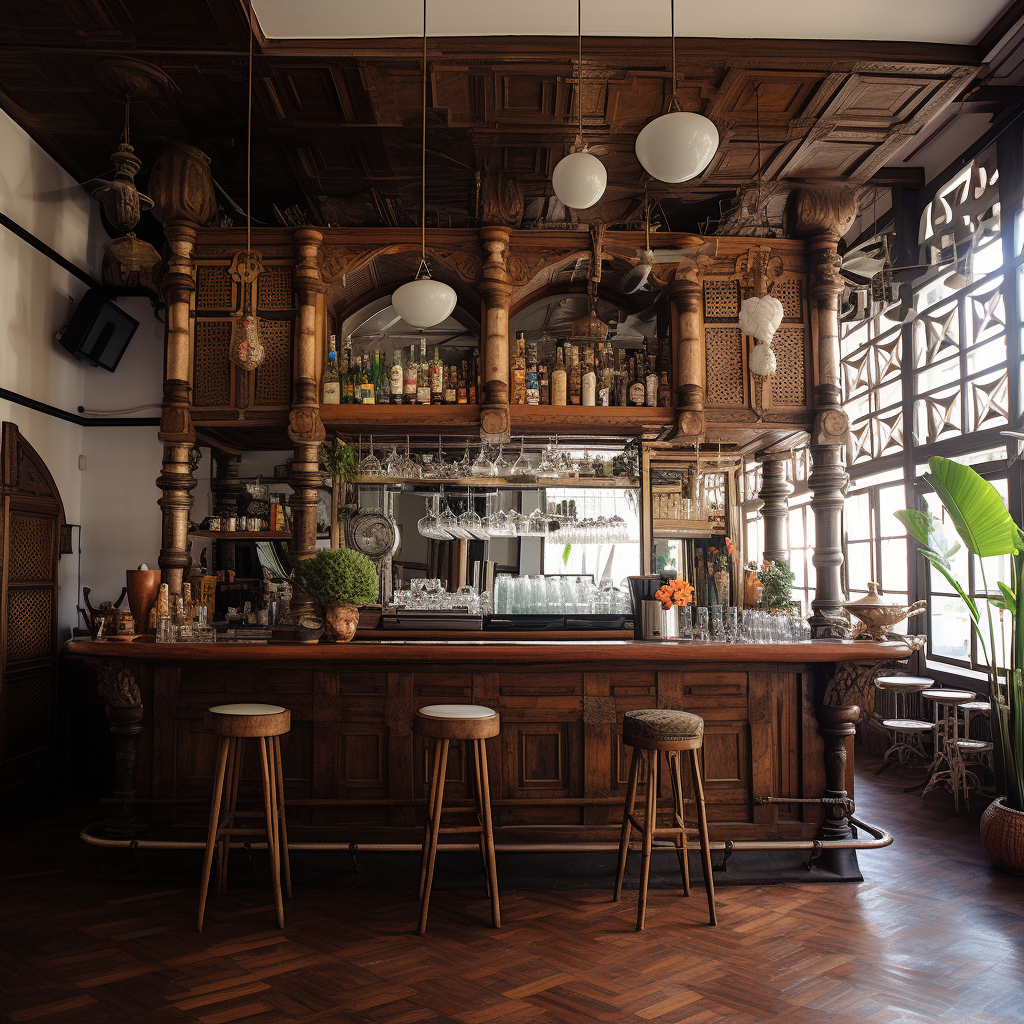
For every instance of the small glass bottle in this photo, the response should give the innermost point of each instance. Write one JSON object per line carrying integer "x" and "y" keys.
{"x": 332, "y": 383}
{"x": 436, "y": 379}
{"x": 409, "y": 378}
{"x": 559, "y": 382}
{"x": 423, "y": 377}
{"x": 589, "y": 385}
{"x": 451, "y": 386}
{"x": 575, "y": 377}
{"x": 396, "y": 377}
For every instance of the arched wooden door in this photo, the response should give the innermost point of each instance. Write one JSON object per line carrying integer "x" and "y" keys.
{"x": 30, "y": 527}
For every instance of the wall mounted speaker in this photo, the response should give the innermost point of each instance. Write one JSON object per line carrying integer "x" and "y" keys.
{"x": 99, "y": 331}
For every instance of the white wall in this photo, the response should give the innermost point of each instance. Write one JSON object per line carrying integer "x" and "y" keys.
{"x": 114, "y": 498}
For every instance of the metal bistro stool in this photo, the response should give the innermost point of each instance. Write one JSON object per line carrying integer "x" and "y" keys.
{"x": 904, "y": 731}
{"x": 973, "y": 752}
{"x": 443, "y": 723}
{"x": 946, "y": 726}
{"x": 234, "y": 724}
{"x": 648, "y": 733}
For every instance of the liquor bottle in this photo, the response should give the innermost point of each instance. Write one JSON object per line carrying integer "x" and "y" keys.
{"x": 532, "y": 378}
{"x": 409, "y": 378}
{"x": 472, "y": 381}
{"x": 347, "y": 359}
{"x": 423, "y": 376}
{"x": 589, "y": 384}
{"x": 544, "y": 384}
{"x": 346, "y": 376}
{"x": 461, "y": 389}
{"x": 559, "y": 381}
{"x": 664, "y": 390}
{"x": 436, "y": 379}
{"x": 620, "y": 380}
{"x": 604, "y": 377}
{"x": 332, "y": 383}
{"x": 651, "y": 383}
{"x": 519, "y": 370}
{"x": 396, "y": 377}
{"x": 636, "y": 390}
{"x": 357, "y": 394}
{"x": 381, "y": 380}
{"x": 451, "y": 386}
{"x": 575, "y": 376}
{"x": 366, "y": 384}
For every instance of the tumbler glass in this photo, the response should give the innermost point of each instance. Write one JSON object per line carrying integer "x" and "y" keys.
{"x": 717, "y": 624}
{"x": 686, "y": 623}
{"x": 703, "y": 631}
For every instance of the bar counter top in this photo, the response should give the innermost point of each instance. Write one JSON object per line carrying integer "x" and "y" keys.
{"x": 522, "y": 652}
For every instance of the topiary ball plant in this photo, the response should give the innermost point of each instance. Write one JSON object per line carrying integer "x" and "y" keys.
{"x": 340, "y": 579}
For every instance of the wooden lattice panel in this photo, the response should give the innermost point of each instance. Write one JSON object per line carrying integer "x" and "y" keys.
{"x": 723, "y": 352}
{"x": 789, "y": 382}
{"x": 721, "y": 299}
{"x": 214, "y": 288}
{"x": 31, "y": 548}
{"x": 29, "y": 623}
{"x": 789, "y": 291}
{"x": 274, "y": 377}
{"x": 211, "y": 370}
{"x": 274, "y": 288}
{"x": 28, "y": 715}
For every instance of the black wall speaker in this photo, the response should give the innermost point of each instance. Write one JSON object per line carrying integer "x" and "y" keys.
{"x": 99, "y": 331}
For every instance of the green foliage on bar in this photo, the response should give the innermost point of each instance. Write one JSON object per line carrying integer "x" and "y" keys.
{"x": 338, "y": 576}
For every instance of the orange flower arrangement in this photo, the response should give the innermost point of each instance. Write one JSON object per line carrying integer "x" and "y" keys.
{"x": 675, "y": 592}
{"x": 729, "y": 546}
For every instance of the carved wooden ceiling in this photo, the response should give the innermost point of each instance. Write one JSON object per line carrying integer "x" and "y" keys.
{"x": 336, "y": 122}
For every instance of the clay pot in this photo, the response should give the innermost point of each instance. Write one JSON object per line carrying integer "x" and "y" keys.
{"x": 143, "y": 587}
{"x": 1002, "y": 835}
{"x": 341, "y": 621}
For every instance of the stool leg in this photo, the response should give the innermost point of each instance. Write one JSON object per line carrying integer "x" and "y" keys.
{"x": 677, "y": 794}
{"x": 478, "y": 803}
{"x": 432, "y": 782}
{"x": 435, "y": 824}
{"x": 702, "y": 822}
{"x": 286, "y": 866}
{"x": 236, "y": 754}
{"x": 634, "y": 771}
{"x": 270, "y": 813}
{"x": 211, "y": 835}
{"x": 492, "y": 867}
{"x": 650, "y": 822}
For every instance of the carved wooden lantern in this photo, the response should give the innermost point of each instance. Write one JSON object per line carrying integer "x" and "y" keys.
{"x": 246, "y": 350}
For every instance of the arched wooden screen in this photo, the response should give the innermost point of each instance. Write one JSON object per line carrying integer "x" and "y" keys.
{"x": 30, "y": 526}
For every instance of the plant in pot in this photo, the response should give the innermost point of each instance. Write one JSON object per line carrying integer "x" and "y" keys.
{"x": 987, "y": 530}
{"x": 340, "y": 579}
{"x": 776, "y": 579}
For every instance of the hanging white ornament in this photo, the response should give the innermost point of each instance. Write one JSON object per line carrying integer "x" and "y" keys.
{"x": 760, "y": 316}
{"x": 762, "y": 361}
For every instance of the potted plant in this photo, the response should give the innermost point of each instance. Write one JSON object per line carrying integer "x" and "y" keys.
{"x": 776, "y": 579}
{"x": 987, "y": 530}
{"x": 340, "y": 579}
{"x": 337, "y": 461}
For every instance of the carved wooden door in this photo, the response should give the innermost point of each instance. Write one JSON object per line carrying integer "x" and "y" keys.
{"x": 30, "y": 526}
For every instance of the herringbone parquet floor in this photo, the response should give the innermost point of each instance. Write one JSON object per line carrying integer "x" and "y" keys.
{"x": 933, "y": 934}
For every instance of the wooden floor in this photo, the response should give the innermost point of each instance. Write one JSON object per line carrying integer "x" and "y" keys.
{"x": 934, "y": 933}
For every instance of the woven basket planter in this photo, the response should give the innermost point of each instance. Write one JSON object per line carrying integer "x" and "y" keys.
{"x": 1002, "y": 835}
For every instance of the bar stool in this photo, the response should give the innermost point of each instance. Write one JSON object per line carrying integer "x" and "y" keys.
{"x": 443, "y": 723}
{"x": 235, "y": 723}
{"x": 649, "y": 732}
{"x": 946, "y": 727}
{"x": 904, "y": 730}
{"x": 973, "y": 752}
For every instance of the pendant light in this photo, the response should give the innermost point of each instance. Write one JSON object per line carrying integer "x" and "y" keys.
{"x": 579, "y": 179}
{"x": 424, "y": 302}
{"x": 678, "y": 145}
{"x": 246, "y": 348}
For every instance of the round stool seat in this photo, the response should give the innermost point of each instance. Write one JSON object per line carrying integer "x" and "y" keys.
{"x": 975, "y": 746}
{"x": 977, "y": 707}
{"x": 948, "y": 696}
{"x": 457, "y": 722}
{"x": 240, "y": 720}
{"x": 661, "y": 728}
{"x": 904, "y": 684}
{"x": 907, "y": 725}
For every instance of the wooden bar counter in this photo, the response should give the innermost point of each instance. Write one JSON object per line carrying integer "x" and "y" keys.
{"x": 355, "y": 771}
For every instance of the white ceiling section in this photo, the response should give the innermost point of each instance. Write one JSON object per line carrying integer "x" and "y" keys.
{"x": 932, "y": 21}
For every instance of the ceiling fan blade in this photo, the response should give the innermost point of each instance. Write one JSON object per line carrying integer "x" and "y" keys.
{"x": 635, "y": 278}
{"x": 863, "y": 265}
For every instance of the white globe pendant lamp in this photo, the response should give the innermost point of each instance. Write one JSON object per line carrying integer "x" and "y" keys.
{"x": 424, "y": 302}
{"x": 678, "y": 145}
{"x": 579, "y": 178}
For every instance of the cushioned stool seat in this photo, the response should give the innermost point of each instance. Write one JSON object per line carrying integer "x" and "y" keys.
{"x": 660, "y": 725}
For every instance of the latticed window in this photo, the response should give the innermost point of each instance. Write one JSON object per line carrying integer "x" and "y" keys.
{"x": 872, "y": 372}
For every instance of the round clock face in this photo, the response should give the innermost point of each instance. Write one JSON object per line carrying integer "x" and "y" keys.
{"x": 373, "y": 534}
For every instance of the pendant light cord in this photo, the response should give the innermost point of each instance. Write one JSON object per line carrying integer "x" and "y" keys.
{"x": 248, "y": 149}
{"x": 423, "y": 157}
{"x": 579, "y": 69}
{"x": 674, "y": 103}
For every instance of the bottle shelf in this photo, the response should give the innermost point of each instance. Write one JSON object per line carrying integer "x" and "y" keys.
{"x": 590, "y": 420}
{"x": 402, "y": 418}
{"x": 242, "y": 534}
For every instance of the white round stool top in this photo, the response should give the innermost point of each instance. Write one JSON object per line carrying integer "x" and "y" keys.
{"x": 978, "y": 706}
{"x": 978, "y": 746}
{"x": 948, "y": 696}
{"x": 247, "y": 709}
{"x": 908, "y": 725}
{"x": 908, "y": 684}
{"x": 456, "y": 711}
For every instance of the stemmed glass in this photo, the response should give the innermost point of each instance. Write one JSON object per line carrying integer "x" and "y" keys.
{"x": 523, "y": 466}
{"x": 482, "y": 466}
{"x": 548, "y": 468}
{"x": 370, "y": 466}
{"x": 501, "y": 466}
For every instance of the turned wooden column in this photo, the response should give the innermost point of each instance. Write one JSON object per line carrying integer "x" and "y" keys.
{"x": 836, "y": 724}
{"x": 821, "y": 216}
{"x": 685, "y": 291}
{"x": 774, "y": 494}
{"x": 496, "y": 297}
{"x": 305, "y": 428}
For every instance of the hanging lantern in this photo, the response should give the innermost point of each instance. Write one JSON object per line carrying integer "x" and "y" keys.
{"x": 246, "y": 349}
{"x": 760, "y": 316}
{"x": 762, "y": 361}
{"x": 424, "y": 302}
{"x": 579, "y": 179}
{"x": 132, "y": 253}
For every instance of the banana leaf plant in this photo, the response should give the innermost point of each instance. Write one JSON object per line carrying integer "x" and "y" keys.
{"x": 986, "y": 530}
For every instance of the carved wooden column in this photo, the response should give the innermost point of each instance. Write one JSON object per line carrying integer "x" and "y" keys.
{"x": 305, "y": 428}
{"x": 496, "y": 295}
{"x": 821, "y": 216}
{"x": 836, "y": 724}
{"x": 774, "y": 494}
{"x": 181, "y": 187}
{"x": 685, "y": 291}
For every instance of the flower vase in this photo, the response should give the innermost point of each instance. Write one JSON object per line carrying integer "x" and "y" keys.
{"x": 341, "y": 622}
{"x": 670, "y": 623}
{"x": 722, "y": 586}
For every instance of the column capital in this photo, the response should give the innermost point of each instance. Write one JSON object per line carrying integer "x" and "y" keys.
{"x": 819, "y": 211}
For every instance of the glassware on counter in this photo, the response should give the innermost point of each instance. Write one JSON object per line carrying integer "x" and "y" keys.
{"x": 702, "y": 631}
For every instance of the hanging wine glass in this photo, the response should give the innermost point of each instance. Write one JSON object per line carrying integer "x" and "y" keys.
{"x": 482, "y": 466}
{"x": 462, "y": 467}
{"x": 502, "y": 467}
{"x": 471, "y": 523}
{"x": 427, "y": 526}
{"x": 394, "y": 466}
{"x": 548, "y": 468}
{"x": 371, "y": 466}
{"x": 523, "y": 466}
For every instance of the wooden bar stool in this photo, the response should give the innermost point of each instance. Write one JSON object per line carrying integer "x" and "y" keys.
{"x": 648, "y": 733}
{"x": 235, "y": 723}
{"x": 443, "y": 723}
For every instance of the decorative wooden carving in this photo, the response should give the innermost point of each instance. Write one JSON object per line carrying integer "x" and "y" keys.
{"x": 181, "y": 186}
{"x": 835, "y": 725}
{"x": 685, "y": 292}
{"x": 501, "y": 200}
{"x": 496, "y": 293}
